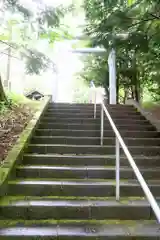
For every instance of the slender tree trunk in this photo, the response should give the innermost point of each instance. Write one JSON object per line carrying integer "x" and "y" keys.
{"x": 125, "y": 95}
{"x": 136, "y": 93}
{"x": 117, "y": 97}
{"x": 3, "y": 97}
{"x": 132, "y": 90}
{"x": 136, "y": 80}
{"x": 137, "y": 87}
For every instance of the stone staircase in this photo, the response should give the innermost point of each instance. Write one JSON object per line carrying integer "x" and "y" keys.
{"x": 65, "y": 185}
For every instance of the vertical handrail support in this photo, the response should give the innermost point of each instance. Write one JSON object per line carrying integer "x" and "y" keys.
{"x": 117, "y": 169}
{"x": 102, "y": 125}
{"x": 95, "y": 103}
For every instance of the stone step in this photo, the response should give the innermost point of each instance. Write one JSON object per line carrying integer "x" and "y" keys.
{"x": 76, "y": 209}
{"x": 82, "y": 172}
{"x": 85, "y": 105}
{"x": 90, "y": 187}
{"x": 115, "y": 114}
{"x": 93, "y": 140}
{"x": 73, "y": 126}
{"x": 91, "y": 110}
{"x": 95, "y": 133}
{"x": 92, "y": 120}
{"x": 110, "y": 230}
{"x": 86, "y": 160}
{"x": 75, "y": 116}
{"x": 89, "y": 149}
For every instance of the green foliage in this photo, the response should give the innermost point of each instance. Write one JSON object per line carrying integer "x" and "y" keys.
{"x": 15, "y": 6}
{"x": 80, "y": 90}
{"x": 26, "y": 27}
{"x": 133, "y": 29}
{"x": 96, "y": 69}
{"x": 81, "y": 96}
{"x": 36, "y": 62}
{"x": 3, "y": 107}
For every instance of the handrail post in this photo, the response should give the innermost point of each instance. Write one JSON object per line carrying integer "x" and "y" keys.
{"x": 121, "y": 145}
{"x": 102, "y": 124}
{"x": 117, "y": 170}
{"x": 95, "y": 103}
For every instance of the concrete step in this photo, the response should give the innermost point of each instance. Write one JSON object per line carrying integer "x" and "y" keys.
{"x": 75, "y": 117}
{"x": 89, "y": 187}
{"x": 92, "y": 120}
{"x": 85, "y": 105}
{"x": 91, "y": 110}
{"x": 95, "y": 133}
{"x": 82, "y": 172}
{"x": 110, "y": 230}
{"x": 93, "y": 140}
{"x": 39, "y": 209}
{"x": 89, "y": 149}
{"x": 115, "y": 114}
{"x": 86, "y": 160}
{"x": 93, "y": 127}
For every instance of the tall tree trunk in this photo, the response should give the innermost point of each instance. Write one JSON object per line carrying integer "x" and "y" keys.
{"x": 137, "y": 87}
{"x": 3, "y": 97}
{"x": 137, "y": 93}
{"x": 125, "y": 95}
{"x": 136, "y": 80}
{"x": 117, "y": 97}
{"x": 132, "y": 90}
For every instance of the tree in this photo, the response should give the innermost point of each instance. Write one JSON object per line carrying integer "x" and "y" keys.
{"x": 133, "y": 29}
{"x": 3, "y": 97}
{"x": 39, "y": 22}
{"x": 95, "y": 68}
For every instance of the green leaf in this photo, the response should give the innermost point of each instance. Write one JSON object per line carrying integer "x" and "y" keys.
{"x": 4, "y": 37}
{"x": 130, "y": 2}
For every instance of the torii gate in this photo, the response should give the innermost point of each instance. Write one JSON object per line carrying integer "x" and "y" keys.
{"x": 112, "y": 69}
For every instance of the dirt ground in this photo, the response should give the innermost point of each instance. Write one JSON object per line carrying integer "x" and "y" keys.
{"x": 12, "y": 123}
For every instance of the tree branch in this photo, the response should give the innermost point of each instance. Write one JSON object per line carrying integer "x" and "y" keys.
{"x": 143, "y": 20}
{"x": 8, "y": 44}
{"x": 10, "y": 55}
{"x": 155, "y": 16}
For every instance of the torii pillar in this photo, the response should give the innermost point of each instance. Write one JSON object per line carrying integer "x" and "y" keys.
{"x": 112, "y": 77}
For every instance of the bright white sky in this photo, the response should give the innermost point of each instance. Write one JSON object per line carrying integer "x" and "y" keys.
{"x": 67, "y": 63}
{"x": 48, "y": 2}
{"x": 57, "y": 2}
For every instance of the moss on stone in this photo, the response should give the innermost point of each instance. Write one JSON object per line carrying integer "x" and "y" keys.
{"x": 7, "y": 200}
{"x": 18, "y": 222}
{"x": 67, "y": 179}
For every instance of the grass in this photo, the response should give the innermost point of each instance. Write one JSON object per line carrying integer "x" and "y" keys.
{"x": 14, "y": 117}
{"x": 18, "y": 100}
{"x": 15, "y": 101}
{"x": 150, "y": 105}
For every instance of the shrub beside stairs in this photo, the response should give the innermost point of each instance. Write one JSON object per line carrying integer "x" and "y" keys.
{"x": 64, "y": 187}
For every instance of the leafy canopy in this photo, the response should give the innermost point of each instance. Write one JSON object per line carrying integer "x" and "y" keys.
{"x": 24, "y": 26}
{"x": 132, "y": 27}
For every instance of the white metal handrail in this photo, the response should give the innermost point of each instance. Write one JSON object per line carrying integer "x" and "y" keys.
{"x": 119, "y": 142}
